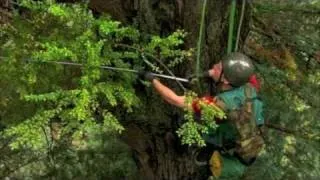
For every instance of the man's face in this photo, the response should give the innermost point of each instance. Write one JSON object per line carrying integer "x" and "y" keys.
{"x": 215, "y": 72}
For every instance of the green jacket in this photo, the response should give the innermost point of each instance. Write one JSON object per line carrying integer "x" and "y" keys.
{"x": 225, "y": 135}
{"x": 233, "y": 99}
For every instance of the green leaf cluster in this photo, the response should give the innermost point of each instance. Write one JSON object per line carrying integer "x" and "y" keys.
{"x": 192, "y": 131}
{"x": 63, "y": 121}
{"x": 78, "y": 98}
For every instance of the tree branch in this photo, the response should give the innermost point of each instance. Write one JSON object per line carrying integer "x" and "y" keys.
{"x": 158, "y": 60}
{"x": 303, "y": 135}
{"x": 10, "y": 171}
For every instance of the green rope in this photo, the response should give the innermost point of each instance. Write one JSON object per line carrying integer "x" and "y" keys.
{"x": 198, "y": 68}
{"x": 240, "y": 24}
{"x": 231, "y": 25}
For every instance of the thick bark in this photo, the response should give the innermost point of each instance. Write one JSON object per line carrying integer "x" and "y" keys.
{"x": 159, "y": 155}
{"x": 158, "y": 152}
{"x": 5, "y": 7}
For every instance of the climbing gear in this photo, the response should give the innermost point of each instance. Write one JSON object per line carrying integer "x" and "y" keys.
{"x": 216, "y": 164}
{"x": 237, "y": 68}
{"x": 225, "y": 135}
{"x": 233, "y": 99}
{"x": 249, "y": 141}
{"x": 244, "y": 111}
{"x": 114, "y": 69}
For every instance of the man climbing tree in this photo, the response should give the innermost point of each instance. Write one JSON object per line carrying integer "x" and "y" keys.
{"x": 237, "y": 142}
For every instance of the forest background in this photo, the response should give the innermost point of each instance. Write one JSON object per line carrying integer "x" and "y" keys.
{"x": 65, "y": 122}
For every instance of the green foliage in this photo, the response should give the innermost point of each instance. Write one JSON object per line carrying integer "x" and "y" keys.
{"x": 194, "y": 128}
{"x": 34, "y": 126}
{"x": 37, "y": 93}
{"x": 296, "y": 23}
{"x": 51, "y": 32}
{"x": 99, "y": 156}
{"x": 290, "y": 94}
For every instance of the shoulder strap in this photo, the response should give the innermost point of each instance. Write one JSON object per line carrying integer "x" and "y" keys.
{"x": 248, "y": 92}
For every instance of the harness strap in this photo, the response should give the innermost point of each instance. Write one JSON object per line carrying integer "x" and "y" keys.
{"x": 248, "y": 92}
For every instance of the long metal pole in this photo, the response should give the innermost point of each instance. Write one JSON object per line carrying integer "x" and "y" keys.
{"x": 114, "y": 69}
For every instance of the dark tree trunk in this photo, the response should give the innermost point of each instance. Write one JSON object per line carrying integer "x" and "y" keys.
{"x": 5, "y": 8}
{"x": 157, "y": 150}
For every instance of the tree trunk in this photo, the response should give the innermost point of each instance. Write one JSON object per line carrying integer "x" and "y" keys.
{"x": 5, "y": 7}
{"x": 158, "y": 152}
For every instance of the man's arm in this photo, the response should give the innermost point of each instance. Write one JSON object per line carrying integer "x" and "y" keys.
{"x": 171, "y": 97}
{"x": 168, "y": 95}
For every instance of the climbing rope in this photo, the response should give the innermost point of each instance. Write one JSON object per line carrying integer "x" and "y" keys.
{"x": 231, "y": 25}
{"x": 240, "y": 24}
{"x": 198, "y": 68}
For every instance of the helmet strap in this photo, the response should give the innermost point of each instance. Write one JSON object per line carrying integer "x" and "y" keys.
{"x": 215, "y": 89}
{"x": 220, "y": 78}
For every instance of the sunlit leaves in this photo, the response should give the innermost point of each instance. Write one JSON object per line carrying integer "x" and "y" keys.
{"x": 81, "y": 110}
{"x": 43, "y": 97}
{"x": 33, "y": 131}
{"x": 76, "y": 107}
{"x": 51, "y": 52}
{"x": 192, "y": 131}
{"x": 110, "y": 123}
{"x": 83, "y": 97}
{"x": 108, "y": 27}
{"x": 166, "y": 45}
{"x": 71, "y": 115}
{"x": 115, "y": 93}
{"x": 314, "y": 78}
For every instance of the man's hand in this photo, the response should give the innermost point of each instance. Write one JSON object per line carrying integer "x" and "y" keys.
{"x": 146, "y": 76}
